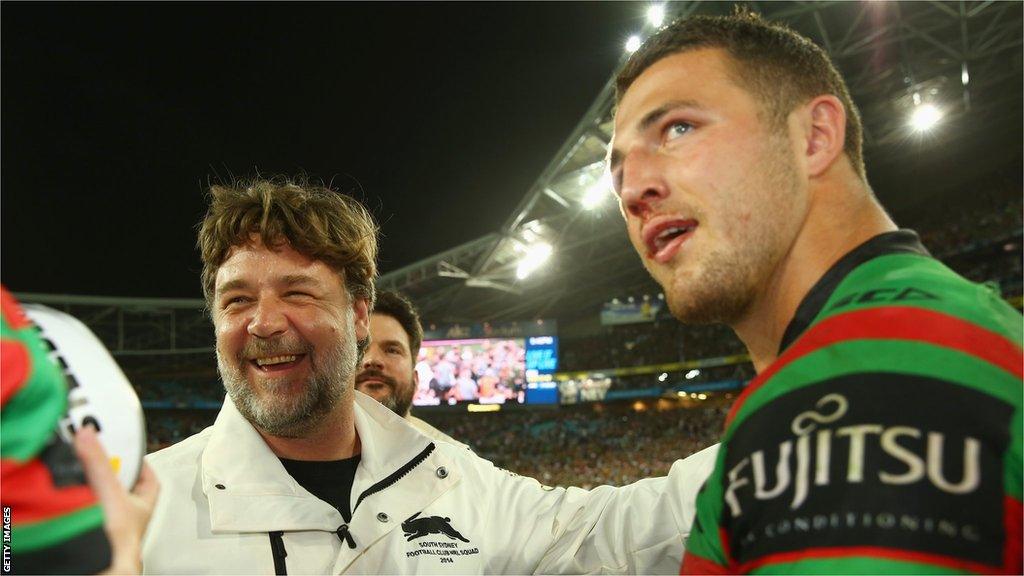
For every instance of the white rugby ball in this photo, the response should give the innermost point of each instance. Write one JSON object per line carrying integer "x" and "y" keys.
{"x": 98, "y": 391}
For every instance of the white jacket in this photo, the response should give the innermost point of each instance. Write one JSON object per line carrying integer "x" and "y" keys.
{"x": 419, "y": 507}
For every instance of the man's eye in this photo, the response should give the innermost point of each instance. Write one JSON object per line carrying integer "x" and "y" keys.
{"x": 234, "y": 300}
{"x": 299, "y": 294}
{"x": 677, "y": 129}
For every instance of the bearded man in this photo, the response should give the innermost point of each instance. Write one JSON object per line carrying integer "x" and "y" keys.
{"x": 388, "y": 374}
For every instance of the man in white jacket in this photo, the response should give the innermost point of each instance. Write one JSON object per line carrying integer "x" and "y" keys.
{"x": 300, "y": 473}
{"x": 387, "y": 373}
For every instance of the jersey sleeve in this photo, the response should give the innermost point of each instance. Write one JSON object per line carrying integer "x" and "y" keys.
{"x": 885, "y": 439}
{"x": 56, "y": 522}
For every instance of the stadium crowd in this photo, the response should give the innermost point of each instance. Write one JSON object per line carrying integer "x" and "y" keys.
{"x": 587, "y": 445}
{"x": 580, "y": 446}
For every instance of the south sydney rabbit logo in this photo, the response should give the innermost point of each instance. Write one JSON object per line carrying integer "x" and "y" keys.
{"x": 446, "y": 549}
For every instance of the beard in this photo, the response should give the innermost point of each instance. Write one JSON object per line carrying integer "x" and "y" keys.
{"x": 730, "y": 278}
{"x": 397, "y": 400}
{"x": 268, "y": 405}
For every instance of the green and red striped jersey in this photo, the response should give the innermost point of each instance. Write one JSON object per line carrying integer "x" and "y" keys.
{"x": 56, "y": 522}
{"x": 886, "y": 437}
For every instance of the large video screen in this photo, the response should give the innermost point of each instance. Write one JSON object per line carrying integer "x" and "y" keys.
{"x": 481, "y": 370}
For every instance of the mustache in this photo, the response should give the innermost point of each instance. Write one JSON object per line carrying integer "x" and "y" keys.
{"x": 374, "y": 374}
{"x": 278, "y": 346}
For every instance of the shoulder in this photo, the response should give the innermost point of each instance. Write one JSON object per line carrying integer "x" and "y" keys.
{"x": 910, "y": 287}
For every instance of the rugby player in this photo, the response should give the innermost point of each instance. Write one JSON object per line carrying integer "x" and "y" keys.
{"x": 882, "y": 433}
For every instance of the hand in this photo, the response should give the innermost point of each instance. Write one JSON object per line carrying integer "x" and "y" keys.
{"x": 125, "y": 514}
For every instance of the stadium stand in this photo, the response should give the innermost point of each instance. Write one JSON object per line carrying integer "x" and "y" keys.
{"x": 611, "y": 441}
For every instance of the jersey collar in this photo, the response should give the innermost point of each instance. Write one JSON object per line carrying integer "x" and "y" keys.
{"x": 898, "y": 242}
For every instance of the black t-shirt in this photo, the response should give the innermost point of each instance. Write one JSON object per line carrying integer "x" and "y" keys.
{"x": 330, "y": 481}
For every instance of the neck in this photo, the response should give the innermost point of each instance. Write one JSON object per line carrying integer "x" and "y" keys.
{"x": 839, "y": 219}
{"x": 334, "y": 439}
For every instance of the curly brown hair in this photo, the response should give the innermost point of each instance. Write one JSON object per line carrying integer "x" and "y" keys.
{"x": 311, "y": 218}
{"x": 770, "y": 60}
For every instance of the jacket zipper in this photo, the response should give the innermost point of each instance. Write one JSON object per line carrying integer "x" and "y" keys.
{"x": 396, "y": 476}
{"x": 343, "y": 533}
{"x": 277, "y": 538}
{"x": 277, "y": 549}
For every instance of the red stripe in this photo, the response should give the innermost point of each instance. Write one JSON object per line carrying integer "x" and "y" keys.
{"x": 723, "y": 537}
{"x": 29, "y": 490}
{"x": 896, "y": 323}
{"x": 693, "y": 564}
{"x": 14, "y": 368}
{"x": 869, "y": 552}
{"x": 12, "y": 311}
{"x": 1013, "y": 562}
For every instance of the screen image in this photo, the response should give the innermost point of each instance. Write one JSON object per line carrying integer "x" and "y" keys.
{"x": 484, "y": 370}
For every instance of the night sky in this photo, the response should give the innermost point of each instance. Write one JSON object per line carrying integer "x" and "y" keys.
{"x": 116, "y": 116}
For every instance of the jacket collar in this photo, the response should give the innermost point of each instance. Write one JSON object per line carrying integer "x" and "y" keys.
{"x": 249, "y": 490}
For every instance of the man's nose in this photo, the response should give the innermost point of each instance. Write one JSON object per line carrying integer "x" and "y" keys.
{"x": 268, "y": 320}
{"x": 371, "y": 359}
{"x": 643, "y": 184}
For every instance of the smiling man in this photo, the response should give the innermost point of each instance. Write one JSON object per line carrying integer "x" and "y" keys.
{"x": 301, "y": 473}
{"x": 387, "y": 373}
{"x": 882, "y": 433}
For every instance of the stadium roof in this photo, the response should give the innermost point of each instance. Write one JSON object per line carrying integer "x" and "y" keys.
{"x": 964, "y": 57}
{"x": 888, "y": 52}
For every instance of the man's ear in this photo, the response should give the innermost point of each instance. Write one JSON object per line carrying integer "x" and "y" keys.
{"x": 361, "y": 307}
{"x": 825, "y": 132}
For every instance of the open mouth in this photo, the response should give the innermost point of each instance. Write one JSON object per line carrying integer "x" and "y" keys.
{"x": 665, "y": 238}
{"x": 277, "y": 363}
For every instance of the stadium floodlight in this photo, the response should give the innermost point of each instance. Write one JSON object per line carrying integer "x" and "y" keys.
{"x": 656, "y": 15}
{"x": 536, "y": 255}
{"x": 596, "y": 193}
{"x": 702, "y": 396}
{"x": 692, "y": 374}
{"x": 663, "y": 377}
{"x": 965, "y": 76}
{"x": 633, "y": 44}
{"x": 925, "y": 117}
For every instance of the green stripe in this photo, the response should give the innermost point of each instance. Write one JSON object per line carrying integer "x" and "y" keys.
{"x": 855, "y": 565}
{"x": 956, "y": 296}
{"x": 30, "y": 537}
{"x": 704, "y": 540}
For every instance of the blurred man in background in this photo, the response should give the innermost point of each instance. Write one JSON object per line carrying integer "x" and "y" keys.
{"x": 888, "y": 400}
{"x": 388, "y": 373}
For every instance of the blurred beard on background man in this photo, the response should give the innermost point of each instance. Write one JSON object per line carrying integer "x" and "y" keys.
{"x": 399, "y": 395}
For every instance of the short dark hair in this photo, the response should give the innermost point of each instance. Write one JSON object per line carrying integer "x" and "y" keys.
{"x": 775, "y": 63}
{"x": 399, "y": 307}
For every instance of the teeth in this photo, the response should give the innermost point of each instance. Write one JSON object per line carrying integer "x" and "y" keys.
{"x": 275, "y": 360}
{"x": 672, "y": 231}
